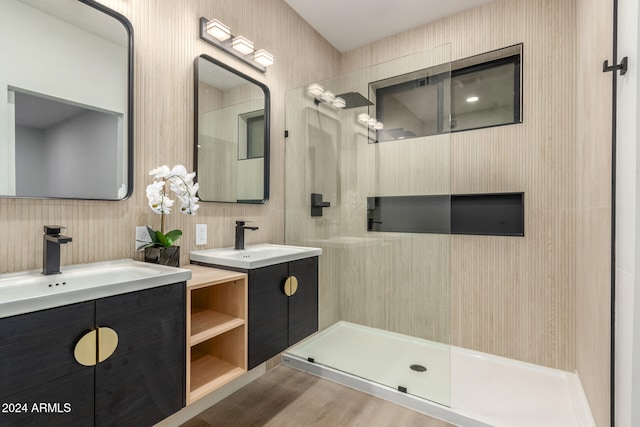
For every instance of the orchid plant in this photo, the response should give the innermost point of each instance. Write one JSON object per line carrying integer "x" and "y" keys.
{"x": 181, "y": 183}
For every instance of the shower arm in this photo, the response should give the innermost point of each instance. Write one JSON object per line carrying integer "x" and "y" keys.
{"x": 317, "y": 204}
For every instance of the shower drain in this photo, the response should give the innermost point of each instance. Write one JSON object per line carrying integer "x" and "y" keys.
{"x": 418, "y": 368}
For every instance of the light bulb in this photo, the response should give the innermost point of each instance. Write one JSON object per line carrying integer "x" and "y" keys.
{"x": 315, "y": 90}
{"x": 363, "y": 118}
{"x": 242, "y": 45}
{"x": 263, "y": 57}
{"x": 218, "y": 30}
{"x": 328, "y": 96}
{"x": 339, "y": 103}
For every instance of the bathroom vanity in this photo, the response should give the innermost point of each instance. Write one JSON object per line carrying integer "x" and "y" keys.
{"x": 282, "y": 293}
{"x": 89, "y": 358}
{"x": 280, "y": 313}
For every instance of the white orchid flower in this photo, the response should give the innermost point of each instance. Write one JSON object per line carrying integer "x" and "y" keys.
{"x": 155, "y": 188}
{"x": 181, "y": 183}
{"x": 179, "y": 170}
{"x": 178, "y": 186}
{"x": 161, "y": 205}
{"x": 189, "y": 177}
{"x": 161, "y": 172}
{"x": 122, "y": 191}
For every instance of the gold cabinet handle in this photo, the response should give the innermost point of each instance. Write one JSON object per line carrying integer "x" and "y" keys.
{"x": 290, "y": 286}
{"x": 107, "y": 343}
{"x": 85, "y": 350}
{"x": 95, "y": 346}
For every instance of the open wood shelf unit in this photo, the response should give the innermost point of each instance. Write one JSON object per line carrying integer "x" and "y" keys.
{"x": 216, "y": 329}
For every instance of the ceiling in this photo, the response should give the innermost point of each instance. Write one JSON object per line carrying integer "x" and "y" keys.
{"x": 348, "y": 24}
{"x": 84, "y": 17}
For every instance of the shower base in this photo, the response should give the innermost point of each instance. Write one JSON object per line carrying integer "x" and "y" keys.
{"x": 460, "y": 386}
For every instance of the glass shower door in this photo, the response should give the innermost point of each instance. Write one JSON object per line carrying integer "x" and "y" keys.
{"x": 374, "y": 161}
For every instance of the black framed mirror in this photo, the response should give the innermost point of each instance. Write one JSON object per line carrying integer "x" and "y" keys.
{"x": 231, "y": 134}
{"x": 66, "y": 100}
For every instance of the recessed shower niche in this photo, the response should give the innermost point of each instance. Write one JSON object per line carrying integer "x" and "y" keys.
{"x": 500, "y": 214}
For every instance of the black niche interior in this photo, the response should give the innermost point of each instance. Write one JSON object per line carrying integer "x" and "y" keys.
{"x": 495, "y": 214}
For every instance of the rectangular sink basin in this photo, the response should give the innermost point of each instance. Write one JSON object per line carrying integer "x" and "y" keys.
{"x": 29, "y": 291}
{"x": 253, "y": 256}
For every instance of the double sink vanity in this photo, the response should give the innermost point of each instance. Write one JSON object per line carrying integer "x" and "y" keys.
{"x": 126, "y": 342}
{"x": 130, "y": 343}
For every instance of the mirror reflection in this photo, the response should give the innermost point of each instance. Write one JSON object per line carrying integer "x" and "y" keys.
{"x": 232, "y": 134}
{"x": 65, "y": 98}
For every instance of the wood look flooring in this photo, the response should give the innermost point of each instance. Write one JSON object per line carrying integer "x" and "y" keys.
{"x": 290, "y": 398}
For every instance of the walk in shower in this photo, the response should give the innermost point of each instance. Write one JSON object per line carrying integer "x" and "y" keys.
{"x": 354, "y": 142}
{"x": 368, "y": 180}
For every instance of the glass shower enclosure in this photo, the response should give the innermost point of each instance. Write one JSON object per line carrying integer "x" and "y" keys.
{"x": 365, "y": 153}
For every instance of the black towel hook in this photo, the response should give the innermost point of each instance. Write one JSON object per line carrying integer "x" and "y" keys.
{"x": 622, "y": 66}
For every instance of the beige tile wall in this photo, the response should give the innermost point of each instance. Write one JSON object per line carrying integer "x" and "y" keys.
{"x": 512, "y": 296}
{"x": 166, "y": 44}
{"x": 593, "y": 204}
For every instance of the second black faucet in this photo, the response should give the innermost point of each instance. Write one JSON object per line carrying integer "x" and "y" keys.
{"x": 52, "y": 239}
{"x": 240, "y": 227}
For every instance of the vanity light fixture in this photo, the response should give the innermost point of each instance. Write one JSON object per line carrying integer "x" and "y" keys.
{"x": 315, "y": 90}
{"x": 263, "y": 57}
{"x": 242, "y": 45}
{"x": 219, "y": 35}
{"x": 218, "y": 30}
{"x": 320, "y": 95}
{"x": 472, "y": 99}
{"x": 339, "y": 102}
{"x": 370, "y": 122}
{"x": 363, "y": 118}
{"x": 328, "y": 96}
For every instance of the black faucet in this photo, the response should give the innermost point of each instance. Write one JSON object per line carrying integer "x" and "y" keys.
{"x": 240, "y": 227}
{"x": 51, "y": 241}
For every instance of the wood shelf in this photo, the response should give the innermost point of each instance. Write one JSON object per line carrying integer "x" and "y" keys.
{"x": 209, "y": 373}
{"x": 206, "y": 324}
{"x": 216, "y": 329}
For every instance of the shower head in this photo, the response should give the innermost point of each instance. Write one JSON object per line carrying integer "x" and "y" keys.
{"x": 353, "y": 100}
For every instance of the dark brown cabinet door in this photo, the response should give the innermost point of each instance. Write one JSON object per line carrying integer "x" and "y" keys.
{"x": 143, "y": 381}
{"x": 303, "y": 305}
{"x": 41, "y": 383}
{"x": 268, "y": 318}
{"x": 277, "y": 321}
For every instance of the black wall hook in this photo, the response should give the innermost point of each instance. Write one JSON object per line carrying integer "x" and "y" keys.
{"x": 622, "y": 66}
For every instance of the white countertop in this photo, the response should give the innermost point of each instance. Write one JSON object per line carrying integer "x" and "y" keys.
{"x": 254, "y": 256}
{"x": 28, "y": 291}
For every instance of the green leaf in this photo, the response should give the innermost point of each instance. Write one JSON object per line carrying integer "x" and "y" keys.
{"x": 152, "y": 234}
{"x": 162, "y": 240}
{"x": 147, "y": 245}
{"x": 158, "y": 239}
{"x": 172, "y": 236}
